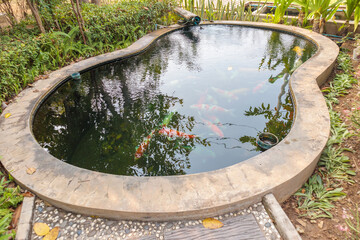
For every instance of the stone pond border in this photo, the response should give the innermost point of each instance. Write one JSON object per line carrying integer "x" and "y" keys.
{"x": 280, "y": 170}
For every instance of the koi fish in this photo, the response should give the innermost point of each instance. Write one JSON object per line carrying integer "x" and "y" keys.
{"x": 140, "y": 150}
{"x": 216, "y": 120}
{"x": 258, "y": 87}
{"x": 172, "y": 133}
{"x": 230, "y": 94}
{"x": 208, "y": 107}
{"x": 214, "y": 128}
{"x": 298, "y": 50}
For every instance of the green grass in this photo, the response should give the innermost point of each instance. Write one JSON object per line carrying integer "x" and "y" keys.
{"x": 9, "y": 199}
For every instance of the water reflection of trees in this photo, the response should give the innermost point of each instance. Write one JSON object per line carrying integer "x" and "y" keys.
{"x": 279, "y": 53}
{"x": 98, "y": 123}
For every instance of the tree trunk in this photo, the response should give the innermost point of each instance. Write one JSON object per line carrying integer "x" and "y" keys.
{"x": 322, "y": 25}
{"x": 316, "y": 25}
{"x": 35, "y": 12}
{"x": 78, "y": 20}
{"x": 300, "y": 18}
{"x": 344, "y": 31}
{"x": 97, "y": 2}
{"x": 80, "y": 15}
{"x": 5, "y": 6}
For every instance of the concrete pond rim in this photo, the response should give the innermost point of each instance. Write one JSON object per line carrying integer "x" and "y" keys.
{"x": 280, "y": 170}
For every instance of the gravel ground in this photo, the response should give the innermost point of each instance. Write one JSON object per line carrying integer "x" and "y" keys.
{"x": 77, "y": 226}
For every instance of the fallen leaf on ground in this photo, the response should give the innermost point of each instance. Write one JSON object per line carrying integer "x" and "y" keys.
{"x": 41, "y": 229}
{"x": 27, "y": 194}
{"x": 15, "y": 217}
{"x": 53, "y": 234}
{"x": 7, "y": 115}
{"x": 212, "y": 223}
{"x": 30, "y": 171}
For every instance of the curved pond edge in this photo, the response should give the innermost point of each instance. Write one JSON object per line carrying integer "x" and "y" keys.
{"x": 280, "y": 170}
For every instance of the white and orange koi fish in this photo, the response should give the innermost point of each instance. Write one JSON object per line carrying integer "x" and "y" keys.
{"x": 140, "y": 150}
{"x": 172, "y": 133}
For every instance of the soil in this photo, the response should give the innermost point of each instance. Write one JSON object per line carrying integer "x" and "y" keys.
{"x": 336, "y": 228}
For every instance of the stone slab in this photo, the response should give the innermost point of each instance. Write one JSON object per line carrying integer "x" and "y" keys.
{"x": 239, "y": 228}
{"x": 282, "y": 222}
{"x": 23, "y": 231}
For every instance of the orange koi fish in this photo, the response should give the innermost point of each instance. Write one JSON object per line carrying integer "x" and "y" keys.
{"x": 208, "y": 107}
{"x": 140, "y": 150}
{"x": 298, "y": 50}
{"x": 214, "y": 128}
{"x": 174, "y": 133}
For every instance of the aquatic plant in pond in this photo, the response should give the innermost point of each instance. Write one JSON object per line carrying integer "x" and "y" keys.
{"x": 189, "y": 104}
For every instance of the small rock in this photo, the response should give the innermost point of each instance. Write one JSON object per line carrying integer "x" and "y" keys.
{"x": 356, "y": 53}
{"x": 79, "y": 232}
{"x": 91, "y": 233}
{"x": 299, "y": 229}
{"x": 146, "y": 227}
{"x": 259, "y": 208}
{"x": 267, "y": 224}
{"x": 50, "y": 208}
{"x": 313, "y": 221}
{"x": 3, "y": 105}
{"x": 273, "y": 236}
{"x": 301, "y": 222}
{"x": 127, "y": 231}
{"x": 321, "y": 224}
{"x": 169, "y": 225}
{"x": 109, "y": 223}
{"x": 40, "y": 209}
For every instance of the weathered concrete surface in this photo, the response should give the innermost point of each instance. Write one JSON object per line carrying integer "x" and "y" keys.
{"x": 280, "y": 170}
{"x": 24, "y": 227}
{"x": 282, "y": 222}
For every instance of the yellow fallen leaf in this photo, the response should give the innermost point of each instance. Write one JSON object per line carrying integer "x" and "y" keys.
{"x": 212, "y": 223}
{"x": 41, "y": 229}
{"x": 53, "y": 234}
{"x": 7, "y": 115}
{"x": 30, "y": 171}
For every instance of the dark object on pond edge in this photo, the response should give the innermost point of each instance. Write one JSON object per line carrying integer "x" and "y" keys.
{"x": 190, "y": 18}
{"x": 76, "y": 76}
{"x": 266, "y": 140}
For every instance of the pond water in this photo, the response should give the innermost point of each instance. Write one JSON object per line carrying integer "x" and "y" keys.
{"x": 194, "y": 102}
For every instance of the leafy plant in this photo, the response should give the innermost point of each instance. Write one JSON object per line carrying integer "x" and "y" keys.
{"x": 353, "y": 222}
{"x": 320, "y": 11}
{"x": 315, "y": 198}
{"x": 25, "y": 53}
{"x": 352, "y": 8}
{"x": 303, "y": 12}
{"x": 9, "y": 199}
{"x": 281, "y": 7}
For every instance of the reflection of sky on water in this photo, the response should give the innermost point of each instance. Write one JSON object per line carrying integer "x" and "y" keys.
{"x": 215, "y": 78}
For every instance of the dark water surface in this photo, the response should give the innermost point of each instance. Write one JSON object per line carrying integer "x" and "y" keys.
{"x": 194, "y": 102}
